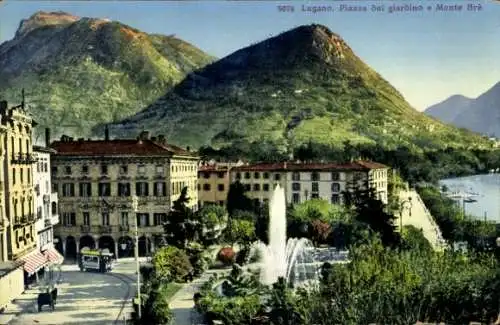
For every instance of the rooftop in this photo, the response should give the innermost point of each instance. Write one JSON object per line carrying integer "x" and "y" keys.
{"x": 293, "y": 166}
{"x": 118, "y": 147}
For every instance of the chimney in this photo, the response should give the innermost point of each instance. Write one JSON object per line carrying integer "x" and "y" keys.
{"x": 144, "y": 135}
{"x": 23, "y": 99}
{"x": 3, "y": 107}
{"x": 106, "y": 133}
{"x": 47, "y": 137}
{"x": 161, "y": 138}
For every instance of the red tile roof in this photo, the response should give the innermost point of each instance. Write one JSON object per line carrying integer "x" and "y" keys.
{"x": 287, "y": 166}
{"x": 117, "y": 147}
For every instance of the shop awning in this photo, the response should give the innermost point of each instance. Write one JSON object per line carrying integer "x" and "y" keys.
{"x": 34, "y": 262}
{"x": 53, "y": 256}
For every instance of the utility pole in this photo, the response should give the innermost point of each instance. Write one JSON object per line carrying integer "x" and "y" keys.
{"x": 135, "y": 203}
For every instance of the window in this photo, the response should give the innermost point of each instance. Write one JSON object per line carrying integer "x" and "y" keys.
{"x": 141, "y": 189}
{"x": 141, "y": 169}
{"x": 68, "y": 189}
{"x": 54, "y": 169}
{"x": 85, "y": 169}
{"x": 206, "y": 175}
{"x": 335, "y": 199}
{"x": 124, "y": 219}
{"x": 85, "y": 189}
{"x": 159, "y": 218}
{"x": 104, "y": 189}
{"x": 335, "y": 187}
{"x": 45, "y": 167}
{"x": 247, "y": 175}
{"x": 220, "y": 187}
{"x": 69, "y": 219}
{"x": 295, "y": 186}
{"x": 247, "y": 187}
{"x": 67, "y": 170}
{"x": 315, "y": 187}
{"x": 199, "y": 187}
{"x": 256, "y": 175}
{"x": 104, "y": 169}
{"x": 86, "y": 219}
{"x": 256, "y": 187}
{"x": 38, "y": 167}
{"x": 160, "y": 170}
{"x": 265, "y": 187}
{"x": 160, "y": 189}
{"x": 296, "y": 176}
{"x": 277, "y": 177}
{"x": 296, "y": 198}
{"x": 315, "y": 176}
{"x": 21, "y": 178}
{"x": 266, "y": 175}
{"x": 220, "y": 174}
{"x": 13, "y": 176}
{"x": 143, "y": 219}
{"x": 123, "y": 189}
{"x": 29, "y": 176}
{"x": 206, "y": 187}
{"x": 55, "y": 188}
{"x": 335, "y": 176}
{"x": 123, "y": 169}
{"x": 105, "y": 219}
{"x": 238, "y": 175}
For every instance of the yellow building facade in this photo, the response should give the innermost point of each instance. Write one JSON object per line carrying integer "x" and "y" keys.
{"x": 17, "y": 181}
{"x": 96, "y": 181}
{"x": 214, "y": 179}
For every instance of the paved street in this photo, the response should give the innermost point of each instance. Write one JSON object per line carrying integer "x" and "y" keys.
{"x": 83, "y": 298}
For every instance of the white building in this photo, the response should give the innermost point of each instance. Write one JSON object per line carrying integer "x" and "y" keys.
{"x": 304, "y": 181}
{"x": 46, "y": 205}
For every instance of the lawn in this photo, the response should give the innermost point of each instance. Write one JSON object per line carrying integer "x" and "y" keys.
{"x": 170, "y": 289}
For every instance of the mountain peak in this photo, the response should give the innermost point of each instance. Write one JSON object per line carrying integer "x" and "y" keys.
{"x": 43, "y": 18}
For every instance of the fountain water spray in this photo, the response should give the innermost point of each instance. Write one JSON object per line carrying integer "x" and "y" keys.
{"x": 292, "y": 259}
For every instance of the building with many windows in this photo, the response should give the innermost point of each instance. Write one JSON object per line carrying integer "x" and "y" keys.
{"x": 96, "y": 181}
{"x": 18, "y": 257}
{"x": 304, "y": 181}
{"x": 214, "y": 180}
{"x": 46, "y": 204}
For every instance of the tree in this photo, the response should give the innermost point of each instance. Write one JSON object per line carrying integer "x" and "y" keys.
{"x": 320, "y": 231}
{"x": 211, "y": 220}
{"x": 156, "y": 309}
{"x": 240, "y": 232}
{"x": 181, "y": 225}
{"x": 171, "y": 264}
{"x": 371, "y": 211}
{"x": 237, "y": 200}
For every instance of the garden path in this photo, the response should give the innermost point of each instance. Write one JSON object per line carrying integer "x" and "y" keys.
{"x": 182, "y": 304}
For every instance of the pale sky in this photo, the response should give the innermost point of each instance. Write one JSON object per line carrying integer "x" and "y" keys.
{"x": 428, "y": 56}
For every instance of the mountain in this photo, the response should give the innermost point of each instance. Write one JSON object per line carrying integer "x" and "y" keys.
{"x": 481, "y": 114}
{"x": 303, "y": 85}
{"x": 447, "y": 110}
{"x": 79, "y": 72}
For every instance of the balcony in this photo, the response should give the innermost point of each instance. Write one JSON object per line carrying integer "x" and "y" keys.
{"x": 124, "y": 228}
{"x": 23, "y": 158}
{"x": 105, "y": 229}
{"x": 85, "y": 228}
{"x": 47, "y": 222}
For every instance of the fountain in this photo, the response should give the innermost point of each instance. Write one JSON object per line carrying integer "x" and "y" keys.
{"x": 293, "y": 259}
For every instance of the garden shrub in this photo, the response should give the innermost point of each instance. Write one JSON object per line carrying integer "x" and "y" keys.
{"x": 171, "y": 264}
{"x": 226, "y": 255}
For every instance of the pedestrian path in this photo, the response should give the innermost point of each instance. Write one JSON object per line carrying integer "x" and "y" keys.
{"x": 182, "y": 304}
{"x": 420, "y": 218}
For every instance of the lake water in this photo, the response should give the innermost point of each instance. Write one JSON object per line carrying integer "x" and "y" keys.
{"x": 488, "y": 188}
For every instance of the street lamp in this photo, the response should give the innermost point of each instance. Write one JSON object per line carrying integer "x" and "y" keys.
{"x": 135, "y": 204}
{"x": 405, "y": 204}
